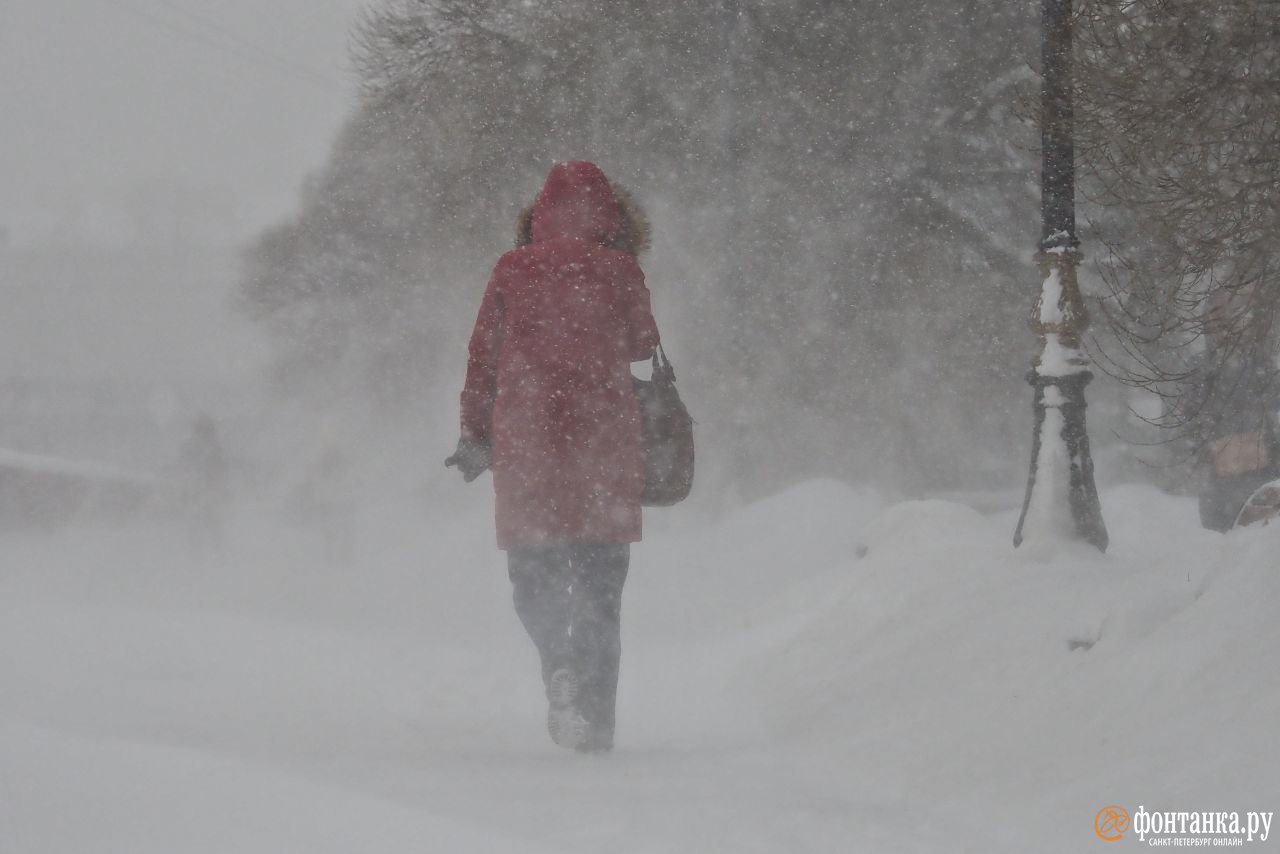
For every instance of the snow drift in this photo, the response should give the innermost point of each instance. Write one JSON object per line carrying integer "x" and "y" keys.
{"x": 812, "y": 672}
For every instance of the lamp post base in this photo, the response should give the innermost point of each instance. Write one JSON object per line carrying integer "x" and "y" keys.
{"x": 1061, "y": 465}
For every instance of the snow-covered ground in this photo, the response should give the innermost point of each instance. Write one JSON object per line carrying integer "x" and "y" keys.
{"x": 813, "y": 672}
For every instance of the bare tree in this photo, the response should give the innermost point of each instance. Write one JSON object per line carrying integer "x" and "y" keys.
{"x": 839, "y": 288}
{"x": 1178, "y": 116}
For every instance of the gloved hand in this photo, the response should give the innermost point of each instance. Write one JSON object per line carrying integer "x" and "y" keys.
{"x": 472, "y": 457}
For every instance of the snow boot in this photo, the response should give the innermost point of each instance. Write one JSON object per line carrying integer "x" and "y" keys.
{"x": 564, "y": 722}
{"x": 594, "y": 742}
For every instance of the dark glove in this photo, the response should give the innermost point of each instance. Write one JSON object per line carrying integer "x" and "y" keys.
{"x": 472, "y": 457}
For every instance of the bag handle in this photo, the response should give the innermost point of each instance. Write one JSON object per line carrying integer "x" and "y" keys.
{"x": 665, "y": 370}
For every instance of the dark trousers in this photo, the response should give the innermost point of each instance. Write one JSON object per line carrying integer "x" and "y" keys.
{"x": 569, "y": 598}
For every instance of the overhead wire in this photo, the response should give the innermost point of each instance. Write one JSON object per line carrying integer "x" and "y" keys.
{"x": 225, "y": 40}
{"x": 227, "y": 78}
{"x": 238, "y": 37}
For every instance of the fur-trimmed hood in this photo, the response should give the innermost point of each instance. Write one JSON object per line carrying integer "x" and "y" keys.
{"x": 616, "y": 220}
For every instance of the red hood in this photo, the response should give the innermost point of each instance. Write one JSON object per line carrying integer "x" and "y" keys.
{"x": 576, "y": 201}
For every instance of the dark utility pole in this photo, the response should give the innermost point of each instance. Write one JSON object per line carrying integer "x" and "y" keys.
{"x": 1061, "y": 500}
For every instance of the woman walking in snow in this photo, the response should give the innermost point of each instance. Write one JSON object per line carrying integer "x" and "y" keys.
{"x": 549, "y": 401}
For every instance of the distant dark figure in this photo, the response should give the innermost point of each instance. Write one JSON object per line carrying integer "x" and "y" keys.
{"x": 549, "y": 401}
{"x": 204, "y": 487}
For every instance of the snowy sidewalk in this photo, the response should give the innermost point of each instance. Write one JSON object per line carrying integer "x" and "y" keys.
{"x": 806, "y": 674}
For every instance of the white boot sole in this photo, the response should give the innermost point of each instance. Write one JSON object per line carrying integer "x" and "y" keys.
{"x": 566, "y": 726}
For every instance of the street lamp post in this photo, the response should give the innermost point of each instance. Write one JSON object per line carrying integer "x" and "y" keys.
{"x": 1061, "y": 499}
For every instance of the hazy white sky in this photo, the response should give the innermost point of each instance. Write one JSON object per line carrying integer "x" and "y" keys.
{"x": 108, "y": 102}
{"x": 153, "y": 126}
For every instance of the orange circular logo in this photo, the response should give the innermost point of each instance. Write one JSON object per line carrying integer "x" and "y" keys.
{"x": 1111, "y": 822}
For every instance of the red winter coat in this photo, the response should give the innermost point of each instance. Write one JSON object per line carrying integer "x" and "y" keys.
{"x": 549, "y": 375}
